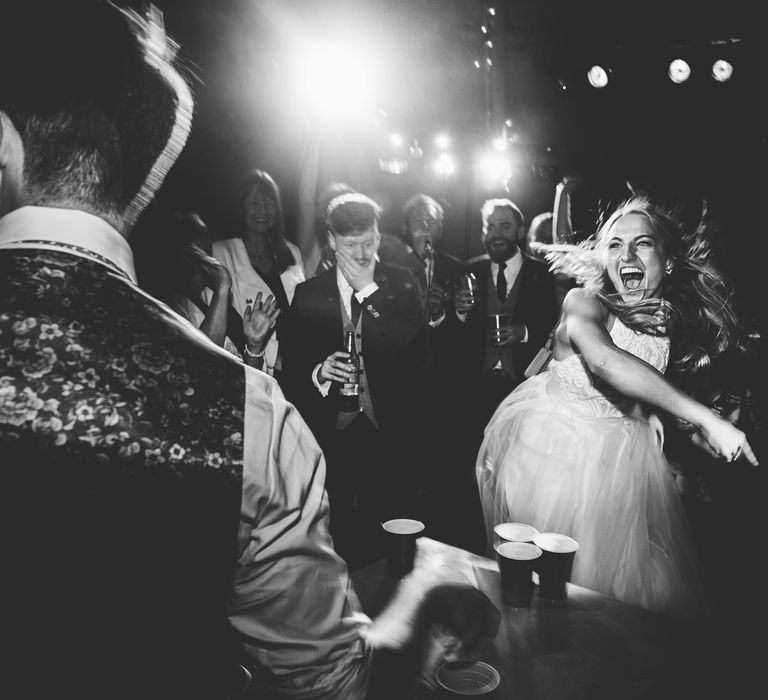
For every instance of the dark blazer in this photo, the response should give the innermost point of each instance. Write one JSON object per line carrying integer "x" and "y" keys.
{"x": 447, "y": 270}
{"x": 393, "y": 346}
{"x": 536, "y": 308}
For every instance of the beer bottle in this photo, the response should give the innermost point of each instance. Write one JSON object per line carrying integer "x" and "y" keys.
{"x": 349, "y": 391}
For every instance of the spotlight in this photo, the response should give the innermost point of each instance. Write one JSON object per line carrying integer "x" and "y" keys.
{"x": 494, "y": 169}
{"x": 442, "y": 141}
{"x": 500, "y": 144}
{"x": 597, "y": 76}
{"x": 396, "y": 140}
{"x": 679, "y": 71}
{"x": 721, "y": 70}
{"x": 444, "y": 165}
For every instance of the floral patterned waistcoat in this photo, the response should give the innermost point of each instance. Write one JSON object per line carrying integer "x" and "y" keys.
{"x": 121, "y": 438}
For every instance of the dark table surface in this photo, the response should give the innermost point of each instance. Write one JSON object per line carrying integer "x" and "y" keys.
{"x": 589, "y": 647}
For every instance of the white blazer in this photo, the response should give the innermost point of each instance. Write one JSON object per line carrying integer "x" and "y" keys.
{"x": 247, "y": 283}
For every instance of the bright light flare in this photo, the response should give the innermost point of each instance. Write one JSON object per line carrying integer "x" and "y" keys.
{"x": 679, "y": 71}
{"x": 494, "y": 169}
{"x": 396, "y": 140}
{"x": 444, "y": 165}
{"x": 442, "y": 141}
{"x": 597, "y": 76}
{"x": 500, "y": 144}
{"x": 335, "y": 80}
{"x": 722, "y": 70}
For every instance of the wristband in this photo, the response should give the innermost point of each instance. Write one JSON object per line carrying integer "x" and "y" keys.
{"x": 248, "y": 353}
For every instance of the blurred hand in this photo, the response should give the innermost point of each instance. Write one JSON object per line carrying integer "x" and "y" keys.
{"x": 464, "y": 610}
{"x": 508, "y": 334}
{"x": 258, "y": 321}
{"x": 571, "y": 181}
{"x": 436, "y": 301}
{"x": 464, "y": 301}
{"x": 359, "y": 276}
{"x": 216, "y": 276}
{"x": 335, "y": 368}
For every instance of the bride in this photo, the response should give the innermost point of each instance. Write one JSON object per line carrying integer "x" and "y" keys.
{"x": 576, "y": 449}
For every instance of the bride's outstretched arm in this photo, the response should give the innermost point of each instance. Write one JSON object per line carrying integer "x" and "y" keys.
{"x": 585, "y": 325}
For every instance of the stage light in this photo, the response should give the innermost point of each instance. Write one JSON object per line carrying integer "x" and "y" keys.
{"x": 679, "y": 71}
{"x": 396, "y": 140}
{"x": 489, "y": 44}
{"x": 335, "y": 80}
{"x": 484, "y": 29}
{"x": 489, "y": 61}
{"x": 444, "y": 165}
{"x": 477, "y": 64}
{"x": 597, "y": 76}
{"x": 722, "y": 70}
{"x": 508, "y": 123}
{"x": 493, "y": 169}
{"x": 500, "y": 144}
{"x": 491, "y": 11}
{"x": 442, "y": 141}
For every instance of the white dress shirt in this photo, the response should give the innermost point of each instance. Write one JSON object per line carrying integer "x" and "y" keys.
{"x": 311, "y": 645}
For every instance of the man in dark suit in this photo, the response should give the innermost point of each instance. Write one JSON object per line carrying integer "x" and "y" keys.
{"x": 518, "y": 289}
{"x": 370, "y": 474}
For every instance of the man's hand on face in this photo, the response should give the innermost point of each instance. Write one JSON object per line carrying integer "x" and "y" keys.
{"x": 359, "y": 276}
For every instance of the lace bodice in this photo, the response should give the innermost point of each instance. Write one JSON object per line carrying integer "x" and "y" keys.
{"x": 595, "y": 398}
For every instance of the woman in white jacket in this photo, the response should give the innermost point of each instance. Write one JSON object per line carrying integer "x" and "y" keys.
{"x": 259, "y": 258}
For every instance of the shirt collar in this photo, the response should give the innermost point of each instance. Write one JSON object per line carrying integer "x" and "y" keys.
{"x": 513, "y": 264}
{"x": 72, "y": 230}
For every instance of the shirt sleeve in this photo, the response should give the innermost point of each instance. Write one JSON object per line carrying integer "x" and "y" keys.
{"x": 366, "y": 291}
{"x": 306, "y": 645}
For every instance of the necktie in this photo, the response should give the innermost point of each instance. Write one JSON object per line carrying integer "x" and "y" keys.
{"x": 501, "y": 283}
{"x": 356, "y": 308}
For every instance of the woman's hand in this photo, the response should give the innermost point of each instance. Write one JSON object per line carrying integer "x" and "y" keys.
{"x": 258, "y": 321}
{"x": 727, "y": 441}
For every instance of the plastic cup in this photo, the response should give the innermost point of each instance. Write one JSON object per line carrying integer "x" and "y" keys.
{"x": 463, "y": 677}
{"x": 516, "y": 563}
{"x": 555, "y": 563}
{"x": 515, "y": 532}
{"x": 401, "y": 544}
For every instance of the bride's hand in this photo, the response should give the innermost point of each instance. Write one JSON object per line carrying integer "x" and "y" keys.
{"x": 727, "y": 440}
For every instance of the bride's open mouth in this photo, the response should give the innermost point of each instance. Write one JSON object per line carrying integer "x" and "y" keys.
{"x": 631, "y": 277}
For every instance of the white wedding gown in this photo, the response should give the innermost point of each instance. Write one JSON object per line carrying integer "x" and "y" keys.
{"x": 565, "y": 454}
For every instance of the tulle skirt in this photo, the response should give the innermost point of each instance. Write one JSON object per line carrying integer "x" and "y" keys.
{"x": 603, "y": 481}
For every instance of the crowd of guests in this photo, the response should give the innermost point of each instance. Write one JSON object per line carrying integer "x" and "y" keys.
{"x": 199, "y": 485}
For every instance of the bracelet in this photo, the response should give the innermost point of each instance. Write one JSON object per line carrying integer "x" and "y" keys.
{"x": 248, "y": 353}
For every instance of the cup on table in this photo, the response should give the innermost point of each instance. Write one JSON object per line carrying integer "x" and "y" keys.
{"x": 495, "y": 323}
{"x": 517, "y": 561}
{"x": 555, "y": 563}
{"x": 515, "y": 532}
{"x": 463, "y": 677}
{"x": 401, "y": 534}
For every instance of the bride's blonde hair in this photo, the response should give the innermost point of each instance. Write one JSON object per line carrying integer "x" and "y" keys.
{"x": 695, "y": 304}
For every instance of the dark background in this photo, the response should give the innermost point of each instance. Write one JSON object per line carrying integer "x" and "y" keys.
{"x": 698, "y": 139}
